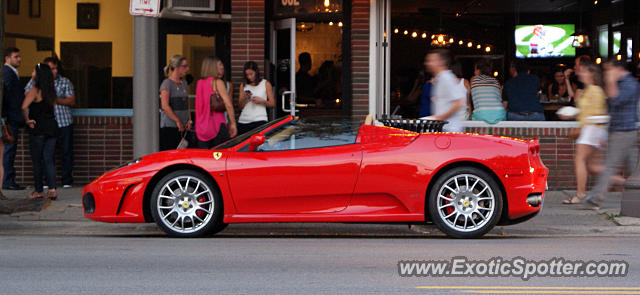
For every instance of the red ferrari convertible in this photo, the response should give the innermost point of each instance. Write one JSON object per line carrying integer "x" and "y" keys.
{"x": 295, "y": 170}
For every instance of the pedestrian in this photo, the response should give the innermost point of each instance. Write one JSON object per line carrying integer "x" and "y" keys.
{"x": 520, "y": 95}
{"x": 211, "y": 126}
{"x": 175, "y": 118}
{"x": 64, "y": 102}
{"x": 449, "y": 99}
{"x": 227, "y": 84}
{"x": 38, "y": 111}
{"x": 593, "y": 102}
{"x": 456, "y": 69}
{"x": 256, "y": 95}
{"x": 623, "y": 92}
{"x": 13, "y": 96}
{"x": 485, "y": 95}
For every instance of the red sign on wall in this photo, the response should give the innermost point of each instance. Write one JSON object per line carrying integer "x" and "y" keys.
{"x": 144, "y": 7}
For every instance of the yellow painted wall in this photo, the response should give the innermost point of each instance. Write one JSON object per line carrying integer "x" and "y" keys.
{"x": 23, "y": 24}
{"x": 116, "y": 26}
{"x": 30, "y": 56}
{"x": 323, "y": 42}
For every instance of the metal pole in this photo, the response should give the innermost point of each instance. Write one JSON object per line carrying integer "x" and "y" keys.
{"x": 146, "y": 125}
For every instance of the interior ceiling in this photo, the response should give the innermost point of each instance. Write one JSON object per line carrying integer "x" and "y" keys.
{"x": 483, "y": 6}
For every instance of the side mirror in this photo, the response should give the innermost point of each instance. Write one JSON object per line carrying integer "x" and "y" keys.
{"x": 255, "y": 141}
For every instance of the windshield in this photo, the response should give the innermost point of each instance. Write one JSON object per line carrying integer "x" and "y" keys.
{"x": 239, "y": 139}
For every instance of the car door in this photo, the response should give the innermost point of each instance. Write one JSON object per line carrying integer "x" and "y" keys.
{"x": 295, "y": 172}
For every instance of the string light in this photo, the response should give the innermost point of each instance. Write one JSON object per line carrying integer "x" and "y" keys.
{"x": 340, "y": 24}
{"x": 414, "y": 34}
{"x": 460, "y": 42}
{"x": 495, "y": 74}
{"x": 424, "y": 35}
{"x": 479, "y": 46}
{"x": 451, "y": 40}
{"x": 396, "y": 30}
{"x": 470, "y": 44}
{"x": 406, "y": 32}
{"x": 488, "y": 49}
{"x": 331, "y": 24}
{"x": 598, "y": 60}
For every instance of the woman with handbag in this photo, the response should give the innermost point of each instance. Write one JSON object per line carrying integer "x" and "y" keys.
{"x": 38, "y": 113}
{"x": 590, "y": 140}
{"x": 254, "y": 99}
{"x": 175, "y": 117}
{"x": 212, "y": 100}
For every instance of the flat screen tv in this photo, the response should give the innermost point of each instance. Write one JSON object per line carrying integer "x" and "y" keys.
{"x": 544, "y": 41}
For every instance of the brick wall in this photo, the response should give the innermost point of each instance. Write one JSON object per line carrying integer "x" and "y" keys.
{"x": 247, "y": 36}
{"x": 100, "y": 144}
{"x": 360, "y": 57}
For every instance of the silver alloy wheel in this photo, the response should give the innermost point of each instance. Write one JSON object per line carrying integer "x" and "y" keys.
{"x": 465, "y": 202}
{"x": 185, "y": 204}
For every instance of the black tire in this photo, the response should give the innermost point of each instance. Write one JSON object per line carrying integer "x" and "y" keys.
{"x": 188, "y": 200}
{"x": 459, "y": 208}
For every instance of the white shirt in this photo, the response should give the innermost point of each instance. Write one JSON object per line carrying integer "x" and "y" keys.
{"x": 14, "y": 69}
{"x": 253, "y": 112}
{"x": 446, "y": 92}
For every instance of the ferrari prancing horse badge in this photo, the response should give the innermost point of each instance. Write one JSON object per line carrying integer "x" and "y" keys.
{"x": 217, "y": 155}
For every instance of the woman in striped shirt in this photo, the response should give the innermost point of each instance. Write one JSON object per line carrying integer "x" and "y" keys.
{"x": 485, "y": 95}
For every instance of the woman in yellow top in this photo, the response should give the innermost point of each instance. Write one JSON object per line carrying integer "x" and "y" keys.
{"x": 592, "y": 102}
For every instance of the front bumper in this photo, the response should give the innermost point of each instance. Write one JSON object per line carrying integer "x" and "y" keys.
{"x": 118, "y": 199}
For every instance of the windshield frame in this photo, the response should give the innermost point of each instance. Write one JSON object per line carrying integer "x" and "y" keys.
{"x": 237, "y": 141}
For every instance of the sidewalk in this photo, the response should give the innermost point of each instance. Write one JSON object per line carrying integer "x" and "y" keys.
{"x": 64, "y": 217}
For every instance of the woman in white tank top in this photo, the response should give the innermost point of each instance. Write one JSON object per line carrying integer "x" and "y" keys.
{"x": 254, "y": 98}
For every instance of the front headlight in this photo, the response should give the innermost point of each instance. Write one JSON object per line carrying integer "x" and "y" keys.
{"x": 130, "y": 163}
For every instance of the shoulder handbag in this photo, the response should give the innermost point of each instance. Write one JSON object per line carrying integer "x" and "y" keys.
{"x": 215, "y": 101}
{"x": 7, "y": 137}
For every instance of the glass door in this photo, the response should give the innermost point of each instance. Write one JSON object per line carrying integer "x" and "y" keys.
{"x": 283, "y": 50}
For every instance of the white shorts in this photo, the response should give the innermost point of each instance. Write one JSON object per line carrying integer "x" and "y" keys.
{"x": 592, "y": 135}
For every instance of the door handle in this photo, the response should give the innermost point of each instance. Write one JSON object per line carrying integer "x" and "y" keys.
{"x": 284, "y": 101}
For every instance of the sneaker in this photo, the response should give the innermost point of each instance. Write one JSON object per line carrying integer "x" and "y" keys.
{"x": 67, "y": 186}
{"x": 591, "y": 204}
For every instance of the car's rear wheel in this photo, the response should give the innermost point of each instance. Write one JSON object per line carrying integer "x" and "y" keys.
{"x": 465, "y": 202}
{"x": 185, "y": 203}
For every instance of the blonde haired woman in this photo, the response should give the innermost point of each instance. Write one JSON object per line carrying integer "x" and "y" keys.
{"x": 211, "y": 126}
{"x": 175, "y": 117}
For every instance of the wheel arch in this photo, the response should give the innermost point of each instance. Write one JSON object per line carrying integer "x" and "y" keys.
{"x": 146, "y": 209}
{"x": 504, "y": 217}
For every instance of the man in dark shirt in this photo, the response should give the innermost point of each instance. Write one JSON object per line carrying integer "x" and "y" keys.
{"x": 12, "y": 98}
{"x": 305, "y": 83}
{"x": 520, "y": 95}
{"x": 623, "y": 92}
{"x": 574, "y": 85}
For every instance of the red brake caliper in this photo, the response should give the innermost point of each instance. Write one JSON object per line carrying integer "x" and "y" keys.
{"x": 201, "y": 213}
{"x": 449, "y": 209}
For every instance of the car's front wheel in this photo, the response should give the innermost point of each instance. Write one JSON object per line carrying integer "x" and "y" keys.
{"x": 465, "y": 202}
{"x": 185, "y": 203}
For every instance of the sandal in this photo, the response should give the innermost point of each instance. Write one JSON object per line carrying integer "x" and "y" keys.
{"x": 35, "y": 195}
{"x": 573, "y": 200}
{"x": 52, "y": 195}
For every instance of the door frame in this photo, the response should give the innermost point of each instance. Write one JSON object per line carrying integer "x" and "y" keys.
{"x": 290, "y": 24}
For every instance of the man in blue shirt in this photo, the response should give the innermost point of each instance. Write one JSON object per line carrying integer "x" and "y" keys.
{"x": 623, "y": 92}
{"x": 520, "y": 95}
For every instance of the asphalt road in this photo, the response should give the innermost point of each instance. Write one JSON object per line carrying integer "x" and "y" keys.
{"x": 291, "y": 265}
